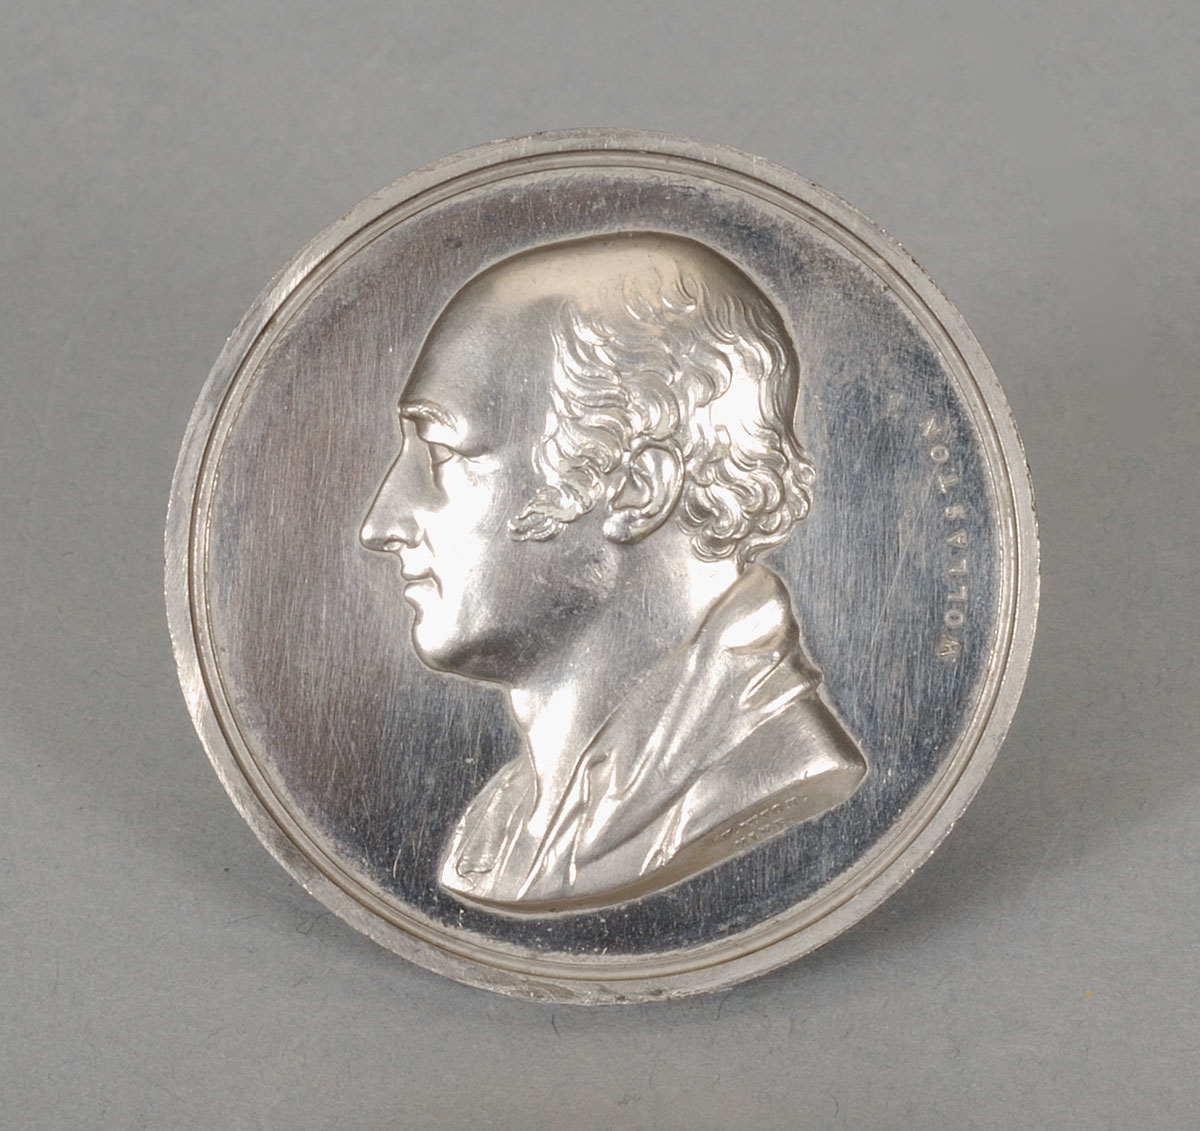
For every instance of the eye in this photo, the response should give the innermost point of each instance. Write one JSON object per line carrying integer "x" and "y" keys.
{"x": 440, "y": 454}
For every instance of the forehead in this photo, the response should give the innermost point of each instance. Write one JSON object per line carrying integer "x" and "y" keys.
{"x": 487, "y": 363}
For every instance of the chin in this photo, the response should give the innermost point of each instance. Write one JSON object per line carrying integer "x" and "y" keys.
{"x": 431, "y": 651}
{"x": 455, "y": 654}
{"x": 441, "y": 650}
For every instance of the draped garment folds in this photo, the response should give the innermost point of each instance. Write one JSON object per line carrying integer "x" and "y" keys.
{"x": 724, "y": 743}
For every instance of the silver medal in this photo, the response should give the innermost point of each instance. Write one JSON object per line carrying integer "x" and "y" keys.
{"x": 602, "y": 566}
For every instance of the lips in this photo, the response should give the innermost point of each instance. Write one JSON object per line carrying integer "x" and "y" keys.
{"x": 419, "y": 578}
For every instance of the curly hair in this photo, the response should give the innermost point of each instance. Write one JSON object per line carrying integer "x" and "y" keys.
{"x": 703, "y": 367}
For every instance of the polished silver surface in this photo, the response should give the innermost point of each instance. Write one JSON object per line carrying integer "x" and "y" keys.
{"x": 602, "y": 566}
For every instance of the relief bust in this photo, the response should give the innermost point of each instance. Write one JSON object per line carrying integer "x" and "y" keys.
{"x": 597, "y": 446}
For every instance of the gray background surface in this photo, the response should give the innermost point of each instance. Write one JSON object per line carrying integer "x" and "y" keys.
{"x": 158, "y": 163}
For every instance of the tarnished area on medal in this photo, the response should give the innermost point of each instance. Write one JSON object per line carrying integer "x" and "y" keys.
{"x": 602, "y": 566}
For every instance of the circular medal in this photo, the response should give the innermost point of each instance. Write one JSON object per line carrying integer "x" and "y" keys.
{"x": 601, "y": 566}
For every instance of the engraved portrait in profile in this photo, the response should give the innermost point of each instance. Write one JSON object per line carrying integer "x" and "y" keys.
{"x": 597, "y": 449}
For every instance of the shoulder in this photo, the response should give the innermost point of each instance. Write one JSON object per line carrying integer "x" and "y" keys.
{"x": 475, "y": 857}
{"x": 791, "y": 769}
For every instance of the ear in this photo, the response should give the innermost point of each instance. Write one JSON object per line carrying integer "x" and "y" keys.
{"x": 645, "y": 493}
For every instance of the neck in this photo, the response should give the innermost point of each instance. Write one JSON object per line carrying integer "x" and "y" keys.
{"x": 562, "y": 705}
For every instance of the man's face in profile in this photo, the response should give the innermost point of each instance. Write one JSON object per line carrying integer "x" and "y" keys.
{"x": 470, "y": 414}
{"x": 568, "y": 405}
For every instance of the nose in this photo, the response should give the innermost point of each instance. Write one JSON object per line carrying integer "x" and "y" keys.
{"x": 391, "y": 522}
